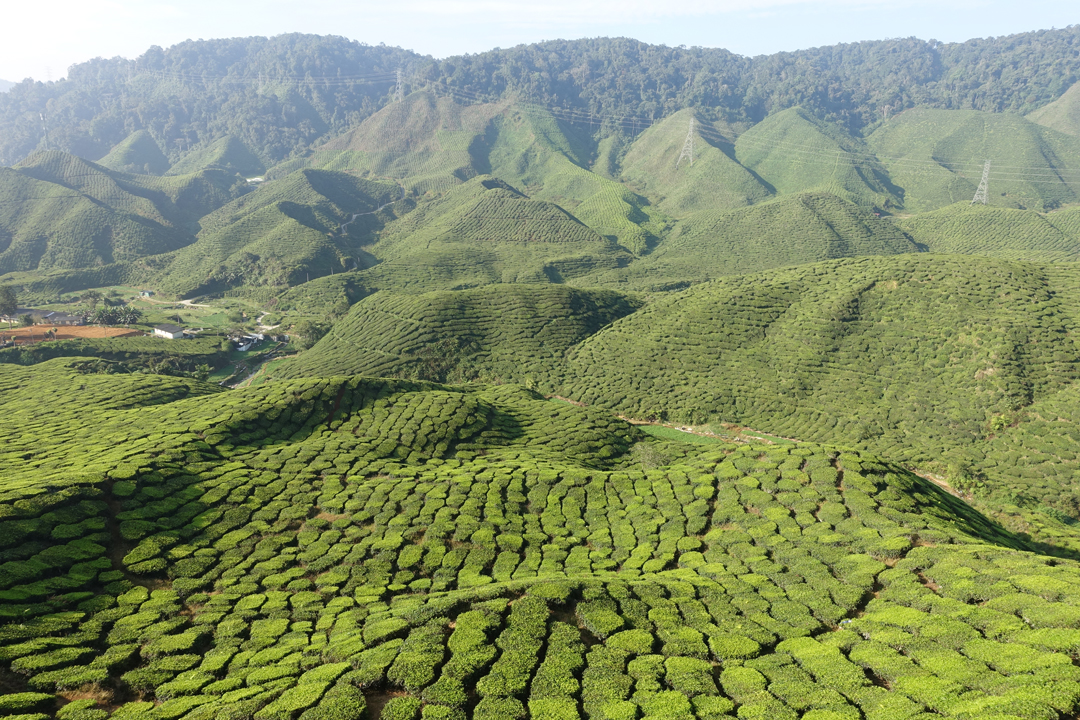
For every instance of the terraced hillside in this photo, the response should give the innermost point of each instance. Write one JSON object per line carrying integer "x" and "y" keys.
{"x": 925, "y": 359}
{"x": 281, "y": 234}
{"x": 509, "y": 332}
{"x": 794, "y": 151}
{"x": 791, "y": 230}
{"x": 713, "y": 181}
{"x": 969, "y": 229}
{"x": 1062, "y": 114}
{"x": 226, "y": 153}
{"x": 482, "y": 232}
{"x": 937, "y": 157}
{"x": 352, "y": 548}
{"x": 138, "y": 153}
{"x": 61, "y": 212}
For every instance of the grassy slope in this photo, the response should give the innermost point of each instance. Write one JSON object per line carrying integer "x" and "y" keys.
{"x": 1063, "y": 114}
{"x": 226, "y": 153}
{"x": 788, "y": 231}
{"x": 506, "y": 331}
{"x": 60, "y": 212}
{"x": 937, "y": 157}
{"x": 138, "y": 153}
{"x": 484, "y": 231}
{"x": 969, "y": 229}
{"x": 913, "y": 356}
{"x": 715, "y": 180}
{"x": 794, "y": 151}
{"x": 282, "y": 233}
{"x": 320, "y": 546}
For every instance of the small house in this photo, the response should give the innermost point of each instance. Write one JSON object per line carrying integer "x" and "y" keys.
{"x": 60, "y": 318}
{"x": 172, "y": 332}
{"x": 146, "y": 293}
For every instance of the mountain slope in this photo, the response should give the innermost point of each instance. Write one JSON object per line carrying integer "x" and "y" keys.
{"x": 47, "y": 225}
{"x": 996, "y": 232}
{"x": 331, "y": 547}
{"x": 918, "y": 357}
{"x": 484, "y": 232}
{"x": 138, "y": 153}
{"x": 227, "y": 153}
{"x": 795, "y": 151}
{"x": 500, "y": 331}
{"x": 1063, "y": 114}
{"x": 279, "y": 235}
{"x": 791, "y": 230}
{"x": 714, "y": 180}
{"x": 937, "y": 156}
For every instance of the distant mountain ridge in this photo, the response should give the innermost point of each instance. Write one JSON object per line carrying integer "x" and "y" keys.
{"x": 6, "y": 85}
{"x": 285, "y": 94}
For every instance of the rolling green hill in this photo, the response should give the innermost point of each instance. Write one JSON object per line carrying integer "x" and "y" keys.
{"x": 1063, "y": 114}
{"x": 937, "y": 157}
{"x": 279, "y": 235}
{"x": 226, "y": 153}
{"x": 969, "y": 229}
{"x": 484, "y": 232}
{"x": 714, "y": 181}
{"x": 509, "y": 332}
{"x": 425, "y": 141}
{"x": 791, "y": 230}
{"x": 921, "y": 358}
{"x": 46, "y": 226}
{"x": 347, "y": 548}
{"x": 139, "y": 154}
{"x": 794, "y": 151}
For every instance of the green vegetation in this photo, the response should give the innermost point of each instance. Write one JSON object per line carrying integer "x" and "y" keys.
{"x": 506, "y": 332}
{"x": 1061, "y": 115}
{"x": 789, "y": 231}
{"x": 794, "y": 151}
{"x": 924, "y": 359}
{"x": 313, "y": 548}
{"x": 969, "y": 229}
{"x": 279, "y": 235}
{"x": 227, "y": 153}
{"x": 937, "y": 157}
{"x": 715, "y": 180}
{"x": 138, "y": 153}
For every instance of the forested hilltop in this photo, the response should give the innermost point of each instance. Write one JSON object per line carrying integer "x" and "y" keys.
{"x": 284, "y": 93}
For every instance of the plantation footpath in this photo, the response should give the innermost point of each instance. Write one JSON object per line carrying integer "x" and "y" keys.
{"x": 322, "y": 548}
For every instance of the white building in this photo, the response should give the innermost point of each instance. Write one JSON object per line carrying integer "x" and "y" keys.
{"x": 172, "y": 332}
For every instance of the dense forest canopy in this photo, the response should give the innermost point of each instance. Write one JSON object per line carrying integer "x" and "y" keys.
{"x": 283, "y": 94}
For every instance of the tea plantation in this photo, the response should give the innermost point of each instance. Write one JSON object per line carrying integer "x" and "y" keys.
{"x": 506, "y": 332}
{"x": 349, "y": 548}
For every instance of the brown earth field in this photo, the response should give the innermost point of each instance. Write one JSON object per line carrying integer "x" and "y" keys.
{"x": 36, "y": 333}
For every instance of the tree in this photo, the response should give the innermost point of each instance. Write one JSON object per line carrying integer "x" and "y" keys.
{"x": 9, "y": 302}
{"x": 91, "y": 298}
{"x": 26, "y": 320}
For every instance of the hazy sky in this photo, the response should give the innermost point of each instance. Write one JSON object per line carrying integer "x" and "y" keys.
{"x": 42, "y": 40}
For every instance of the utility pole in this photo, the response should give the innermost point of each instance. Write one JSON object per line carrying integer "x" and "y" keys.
{"x": 688, "y": 146}
{"x": 399, "y": 91}
{"x": 981, "y": 195}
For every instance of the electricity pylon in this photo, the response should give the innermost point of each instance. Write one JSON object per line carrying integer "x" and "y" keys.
{"x": 399, "y": 91}
{"x": 688, "y": 146}
{"x": 981, "y": 195}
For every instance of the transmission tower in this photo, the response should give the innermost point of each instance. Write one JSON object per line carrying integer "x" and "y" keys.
{"x": 399, "y": 91}
{"x": 44, "y": 129}
{"x": 688, "y": 146}
{"x": 981, "y": 195}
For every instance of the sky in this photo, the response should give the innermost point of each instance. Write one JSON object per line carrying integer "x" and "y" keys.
{"x": 42, "y": 41}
